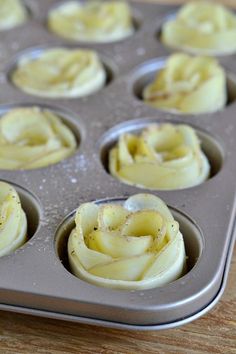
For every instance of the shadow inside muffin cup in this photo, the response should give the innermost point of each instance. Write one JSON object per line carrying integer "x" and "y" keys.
{"x": 193, "y": 238}
{"x": 158, "y": 33}
{"x": 37, "y": 52}
{"x": 146, "y": 73}
{"x": 209, "y": 144}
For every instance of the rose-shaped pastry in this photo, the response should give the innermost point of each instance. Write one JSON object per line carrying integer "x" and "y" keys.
{"x": 136, "y": 245}
{"x": 189, "y": 85}
{"x": 202, "y": 27}
{"x": 164, "y": 156}
{"x": 13, "y": 223}
{"x": 60, "y": 72}
{"x": 33, "y": 138}
{"x": 94, "y": 21}
{"x": 12, "y": 13}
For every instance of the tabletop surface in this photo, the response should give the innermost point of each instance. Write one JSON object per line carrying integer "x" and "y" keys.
{"x": 213, "y": 333}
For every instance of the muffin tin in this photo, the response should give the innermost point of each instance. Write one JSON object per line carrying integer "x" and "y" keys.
{"x": 35, "y": 279}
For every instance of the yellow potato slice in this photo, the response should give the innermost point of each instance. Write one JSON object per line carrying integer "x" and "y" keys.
{"x": 118, "y": 246}
{"x": 130, "y": 269}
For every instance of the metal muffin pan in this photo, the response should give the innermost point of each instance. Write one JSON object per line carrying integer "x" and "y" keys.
{"x": 35, "y": 279}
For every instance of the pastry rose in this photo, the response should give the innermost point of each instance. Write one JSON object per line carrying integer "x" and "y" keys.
{"x": 13, "y": 223}
{"x": 136, "y": 245}
{"x": 60, "y": 72}
{"x": 12, "y": 13}
{"x": 189, "y": 85}
{"x": 33, "y": 138}
{"x": 95, "y": 21}
{"x": 164, "y": 156}
{"x": 202, "y": 27}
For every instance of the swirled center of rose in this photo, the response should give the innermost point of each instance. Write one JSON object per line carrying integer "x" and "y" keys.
{"x": 202, "y": 27}
{"x": 120, "y": 234}
{"x": 130, "y": 239}
{"x": 99, "y": 21}
{"x": 60, "y": 72}
{"x": 164, "y": 156}
{"x": 207, "y": 17}
{"x": 184, "y": 84}
{"x": 31, "y": 137}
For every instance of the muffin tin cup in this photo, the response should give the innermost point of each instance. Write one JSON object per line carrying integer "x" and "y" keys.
{"x": 35, "y": 279}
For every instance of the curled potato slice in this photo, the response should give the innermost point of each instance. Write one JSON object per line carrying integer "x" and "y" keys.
{"x": 185, "y": 83}
{"x": 60, "y": 72}
{"x": 13, "y": 223}
{"x": 95, "y": 21}
{"x": 12, "y": 13}
{"x": 202, "y": 27}
{"x": 136, "y": 245}
{"x": 163, "y": 156}
{"x": 32, "y": 138}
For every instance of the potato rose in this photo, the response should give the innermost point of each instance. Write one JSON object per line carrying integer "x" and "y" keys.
{"x": 188, "y": 85}
{"x": 164, "y": 156}
{"x": 32, "y": 137}
{"x": 202, "y": 27}
{"x": 13, "y": 223}
{"x": 94, "y": 21}
{"x": 12, "y": 14}
{"x": 136, "y": 245}
{"x": 60, "y": 73}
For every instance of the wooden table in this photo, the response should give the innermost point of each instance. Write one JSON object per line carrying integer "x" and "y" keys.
{"x": 213, "y": 333}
